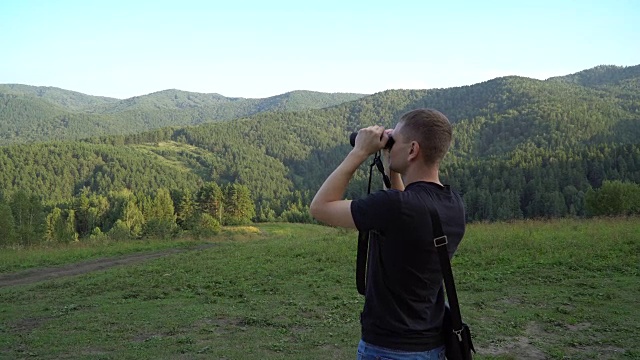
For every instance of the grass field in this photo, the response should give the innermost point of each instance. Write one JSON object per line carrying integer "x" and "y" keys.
{"x": 564, "y": 289}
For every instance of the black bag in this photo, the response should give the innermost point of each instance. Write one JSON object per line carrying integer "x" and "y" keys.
{"x": 456, "y": 347}
{"x": 457, "y": 335}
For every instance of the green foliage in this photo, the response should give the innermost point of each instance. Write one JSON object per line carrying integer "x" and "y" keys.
{"x": 160, "y": 220}
{"x": 239, "y": 208}
{"x": 297, "y": 213}
{"x": 29, "y": 113}
{"x": 97, "y": 235}
{"x": 91, "y": 211}
{"x": 206, "y": 226}
{"x": 55, "y": 225}
{"x": 523, "y": 148}
{"x": 614, "y": 198}
{"x": 120, "y": 231}
{"x": 7, "y": 224}
{"x": 211, "y": 200}
{"x": 133, "y": 218}
{"x": 29, "y": 218}
{"x": 187, "y": 211}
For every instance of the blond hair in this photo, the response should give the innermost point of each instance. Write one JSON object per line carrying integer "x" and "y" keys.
{"x": 431, "y": 129}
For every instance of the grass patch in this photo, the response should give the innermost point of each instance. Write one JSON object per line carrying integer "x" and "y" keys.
{"x": 54, "y": 254}
{"x": 563, "y": 289}
{"x": 181, "y": 156}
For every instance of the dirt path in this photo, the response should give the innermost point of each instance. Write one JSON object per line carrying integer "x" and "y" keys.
{"x": 42, "y": 274}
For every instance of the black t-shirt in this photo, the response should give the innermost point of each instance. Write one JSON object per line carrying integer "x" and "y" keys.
{"x": 404, "y": 300}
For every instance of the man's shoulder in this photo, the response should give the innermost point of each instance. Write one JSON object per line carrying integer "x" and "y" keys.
{"x": 433, "y": 188}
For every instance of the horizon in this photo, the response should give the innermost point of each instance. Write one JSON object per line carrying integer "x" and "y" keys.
{"x": 291, "y": 91}
{"x": 121, "y": 50}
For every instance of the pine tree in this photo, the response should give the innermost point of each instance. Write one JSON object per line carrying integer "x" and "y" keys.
{"x": 211, "y": 200}
{"x": 70, "y": 233}
{"x": 60, "y": 228}
{"x": 7, "y": 224}
{"x": 186, "y": 216}
{"x": 133, "y": 219}
{"x": 54, "y": 225}
{"x": 239, "y": 208}
{"x": 29, "y": 218}
{"x": 161, "y": 218}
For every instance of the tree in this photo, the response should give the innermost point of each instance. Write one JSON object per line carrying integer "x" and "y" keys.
{"x": 211, "y": 200}
{"x": 29, "y": 218}
{"x": 239, "y": 208}
{"x": 206, "y": 226}
{"x": 614, "y": 198}
{"x": 119, "y": 231}
{"x": 91, "y": 211}
{"x": 187, "y": 211}
{"x": 54, "y": 225}
{"x": 161, "y": 218}
{"x": 7, "y": 224}
{"x": 296, "y": 213}
{"x": 133, "y": 219}
{"x": 61, "y": 228}
{"x": 70, "y": 233}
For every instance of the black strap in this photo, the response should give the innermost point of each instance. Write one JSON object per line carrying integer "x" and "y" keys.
{"x": 361, "y": 261}
{"x": 363, "y": 237}
{"x": 440, "y": 241}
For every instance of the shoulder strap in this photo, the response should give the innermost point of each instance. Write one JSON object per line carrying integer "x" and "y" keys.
{"x": 440, "y": 241}
{"x": 363, "y": 236}
{"x": 361, "y": 261}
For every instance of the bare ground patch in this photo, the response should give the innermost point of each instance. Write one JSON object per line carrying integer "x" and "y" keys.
{"x": 519, "y": 347}
{"x": 42, "y": 274}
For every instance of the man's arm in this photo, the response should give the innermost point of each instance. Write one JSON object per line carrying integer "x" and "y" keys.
{"x": 328, "y": 205}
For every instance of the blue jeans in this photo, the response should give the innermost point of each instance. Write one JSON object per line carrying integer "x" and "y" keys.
{"x": 371, "y": 352}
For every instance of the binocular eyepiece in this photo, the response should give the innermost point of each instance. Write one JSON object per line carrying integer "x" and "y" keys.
{"x": 352, "y": 141}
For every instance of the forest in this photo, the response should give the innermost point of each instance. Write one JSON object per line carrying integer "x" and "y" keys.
{"x": 523, "y": 148}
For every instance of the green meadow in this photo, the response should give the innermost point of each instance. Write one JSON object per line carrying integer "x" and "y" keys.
{"x": 560, "y": 289}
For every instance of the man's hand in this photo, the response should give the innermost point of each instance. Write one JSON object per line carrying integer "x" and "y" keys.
{"x": 371, "y": 139}
{"x": 328, "y": 206}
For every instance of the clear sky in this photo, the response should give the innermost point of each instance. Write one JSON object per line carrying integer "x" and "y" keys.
{"x": 264, "y": 48}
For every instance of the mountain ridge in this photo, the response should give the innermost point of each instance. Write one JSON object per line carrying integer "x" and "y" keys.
{"x": 522, "y": 148}
{"x": 35, "y": 114}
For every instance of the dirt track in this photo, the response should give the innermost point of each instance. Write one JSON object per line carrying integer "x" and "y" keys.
{"x": 42, "y": 274}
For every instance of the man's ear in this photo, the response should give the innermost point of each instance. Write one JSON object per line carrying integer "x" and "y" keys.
{"x": 414, "y": 150}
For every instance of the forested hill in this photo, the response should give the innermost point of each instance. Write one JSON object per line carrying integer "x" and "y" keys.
{"x": 29, "y": 113}
{"x": 523, "y": 148}
{"x": 603, "y": 76}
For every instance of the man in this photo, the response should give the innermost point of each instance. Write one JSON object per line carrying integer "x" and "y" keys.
{"x": 404, "y": 300}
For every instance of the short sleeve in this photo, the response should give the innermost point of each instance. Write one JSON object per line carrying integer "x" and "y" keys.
{"x": 375, "y": 211}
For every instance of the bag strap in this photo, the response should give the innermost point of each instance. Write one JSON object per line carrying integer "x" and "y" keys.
{"x": 361, "y": 261}
{"x": 363, "y": 237}
{"x": 440, "y": 241}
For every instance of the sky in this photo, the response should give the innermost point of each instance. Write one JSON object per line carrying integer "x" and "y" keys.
{"x": 258, "y": 49}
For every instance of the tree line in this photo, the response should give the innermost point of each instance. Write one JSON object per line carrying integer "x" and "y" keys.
{"x": 522, "y": 148}
{"x": 124, "y": 215}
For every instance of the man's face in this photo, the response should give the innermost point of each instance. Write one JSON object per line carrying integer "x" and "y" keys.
{"x": 398, "y": 153}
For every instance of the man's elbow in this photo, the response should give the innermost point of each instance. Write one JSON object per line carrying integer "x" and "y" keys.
{"x": 315, "y": 210}
{"x": 337, "y": 213}
{"x": 321, "y": 212}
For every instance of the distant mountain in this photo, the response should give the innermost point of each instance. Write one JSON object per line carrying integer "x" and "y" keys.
{"x": 30, "y": 113}
{"x": 70, "y": 100}
{"x": 603, "y": 75}
{"x": 182, "y": 100}
{"x": 522, "y": 147}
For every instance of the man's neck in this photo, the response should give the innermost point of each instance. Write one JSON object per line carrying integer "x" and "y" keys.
{"x": 426, "y": 174}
